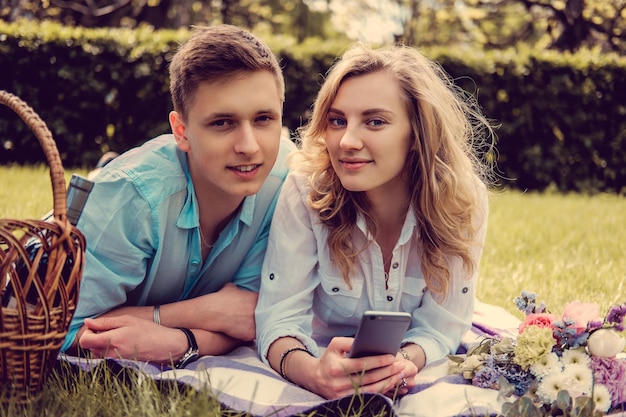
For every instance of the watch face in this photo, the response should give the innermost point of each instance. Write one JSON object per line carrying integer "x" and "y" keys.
{"x": 189, "y": 357}
{"x": 192, "y": 353}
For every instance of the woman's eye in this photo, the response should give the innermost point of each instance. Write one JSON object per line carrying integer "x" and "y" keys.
{"x": 376, "y": 122}
{"x": 336, "y": 121}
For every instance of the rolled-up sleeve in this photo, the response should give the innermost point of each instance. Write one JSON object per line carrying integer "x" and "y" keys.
{"x": 287, "y": 289}
{"x": 119, "y": 243}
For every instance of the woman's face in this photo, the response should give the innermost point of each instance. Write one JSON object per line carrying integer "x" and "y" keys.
{"x": 368, "y": 134}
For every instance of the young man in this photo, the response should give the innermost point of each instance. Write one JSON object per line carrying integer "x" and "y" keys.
{"x": 177, "y": 229}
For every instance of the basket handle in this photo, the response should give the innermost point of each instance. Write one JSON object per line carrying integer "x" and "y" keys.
{"x": 39, "y": 128}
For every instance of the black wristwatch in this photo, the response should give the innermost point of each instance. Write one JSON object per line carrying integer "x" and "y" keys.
{"x": 192, "y": 353}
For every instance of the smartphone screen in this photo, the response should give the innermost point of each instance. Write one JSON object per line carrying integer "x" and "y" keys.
{"x": 379, "y": 333}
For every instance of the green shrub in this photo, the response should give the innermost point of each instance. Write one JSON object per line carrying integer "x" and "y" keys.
{"x": 562, "y": 117}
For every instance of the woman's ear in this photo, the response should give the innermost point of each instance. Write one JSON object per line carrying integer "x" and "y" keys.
{"x": 178, "y": 130}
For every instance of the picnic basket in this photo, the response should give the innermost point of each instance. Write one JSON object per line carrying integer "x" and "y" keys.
{"x": 31, "y": 335}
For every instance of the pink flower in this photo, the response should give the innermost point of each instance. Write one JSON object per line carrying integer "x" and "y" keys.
{"x": 537, "y": 319}
{"x": 581, "y": 313}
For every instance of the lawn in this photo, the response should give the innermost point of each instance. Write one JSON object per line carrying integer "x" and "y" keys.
{"x": 562, "y": 247}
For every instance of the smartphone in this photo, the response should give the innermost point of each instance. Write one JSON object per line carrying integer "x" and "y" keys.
{"x": 379, "y": 333}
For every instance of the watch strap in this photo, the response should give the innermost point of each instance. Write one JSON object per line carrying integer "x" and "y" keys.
{"x": 192, "y": 352}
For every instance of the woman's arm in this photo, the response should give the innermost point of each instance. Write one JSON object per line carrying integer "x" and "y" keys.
{"x": 334, "y": 375}
{"x": 439, "y": 325}
{"x": 288, "y": 277}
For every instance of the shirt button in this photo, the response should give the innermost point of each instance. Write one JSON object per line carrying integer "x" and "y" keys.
{"x": 395, "y": 265}
{"x": 271, "y": 276}
{"x": 335, "y": 289}
{"x": 195, "y": 262}
{"x": 389, "y": 298}
{"x": 465, "y": 290}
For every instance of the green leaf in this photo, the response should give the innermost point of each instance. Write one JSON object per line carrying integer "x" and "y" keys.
{"x": 522, "y": 407}
{"x": 456, "y": 358}
{"x": 563, "y": 400}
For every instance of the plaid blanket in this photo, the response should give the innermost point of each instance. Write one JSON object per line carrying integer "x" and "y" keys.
{"x": 243, "y": 383}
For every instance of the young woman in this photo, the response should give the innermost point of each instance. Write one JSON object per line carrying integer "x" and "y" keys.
{"x": 385, "y": 210}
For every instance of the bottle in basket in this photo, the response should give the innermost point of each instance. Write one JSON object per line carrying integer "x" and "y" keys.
{"x": 77, "y": 193}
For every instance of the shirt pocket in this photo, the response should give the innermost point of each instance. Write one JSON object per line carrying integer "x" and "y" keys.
{"x": 337, "y": 297}
{"x": 413, "y": 293}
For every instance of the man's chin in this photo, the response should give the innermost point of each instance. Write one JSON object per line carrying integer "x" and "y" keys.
{"x": 247, "y": 190}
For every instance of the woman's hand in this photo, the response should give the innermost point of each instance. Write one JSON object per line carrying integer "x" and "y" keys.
{"x": 337, "y": 375}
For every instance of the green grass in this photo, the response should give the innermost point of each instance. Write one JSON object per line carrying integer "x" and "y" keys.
{"x": 562, "y": 247}
{"x": 26, "y": 192}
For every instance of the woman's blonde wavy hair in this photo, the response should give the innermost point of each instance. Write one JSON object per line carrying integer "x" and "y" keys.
{"x": 442, "y": 166}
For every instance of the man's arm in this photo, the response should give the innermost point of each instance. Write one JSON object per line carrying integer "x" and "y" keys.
{"x": 221, "y": 321}
{"x": 133, "y": 338}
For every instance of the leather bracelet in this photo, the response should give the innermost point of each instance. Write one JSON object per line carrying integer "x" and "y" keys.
{"x": 281, "y": 366}
{"x": 192, "y": 351}
{"x": 156, "y": 315}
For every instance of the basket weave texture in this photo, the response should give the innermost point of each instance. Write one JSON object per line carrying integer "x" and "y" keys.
{"x": 31, "y": 336}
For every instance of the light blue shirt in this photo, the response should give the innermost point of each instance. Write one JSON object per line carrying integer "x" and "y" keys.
{"x": 141, "y": 225}
{"x": 303, "y": 293}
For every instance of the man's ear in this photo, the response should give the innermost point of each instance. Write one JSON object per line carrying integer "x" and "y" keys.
{"x": 178, "y": 130}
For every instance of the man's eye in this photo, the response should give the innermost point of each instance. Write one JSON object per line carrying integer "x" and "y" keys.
{"x": 222, "y": 123}
{"x": 264, "y": 118}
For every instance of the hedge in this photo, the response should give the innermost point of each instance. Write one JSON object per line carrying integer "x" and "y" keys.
{"x": 562, "y": 117}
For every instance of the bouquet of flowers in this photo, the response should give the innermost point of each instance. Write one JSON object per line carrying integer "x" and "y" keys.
{"x": 574, "y": 361}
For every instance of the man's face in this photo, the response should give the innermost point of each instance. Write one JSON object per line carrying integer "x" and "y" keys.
{"x": 231, "y": 135}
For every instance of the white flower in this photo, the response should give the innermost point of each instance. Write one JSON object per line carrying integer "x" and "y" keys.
{"x": 601, "y": 398}
{"x": 547, "y": 365}
{"x": 575, "y": 356}
{"x": 550, "y": 386}
{"x": 579, "y": 377}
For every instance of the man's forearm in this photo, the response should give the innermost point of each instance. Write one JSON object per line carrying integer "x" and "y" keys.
{"x": 213, "y": 343}
{"x": 177, "y": 314}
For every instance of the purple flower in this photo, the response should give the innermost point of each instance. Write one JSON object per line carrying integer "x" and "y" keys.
{"x": 594, "y": 325}
{"x": 611, "y": 372}
{"x": 487, "y": 377}
{"x": 528, "y": 303}
{"x": 566, "y": 335}
{"x": 520, "y": 379}
{"x": 616, "y": 317}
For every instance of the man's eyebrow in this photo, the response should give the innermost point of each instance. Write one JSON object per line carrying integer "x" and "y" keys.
{"x": 218, "y": 115}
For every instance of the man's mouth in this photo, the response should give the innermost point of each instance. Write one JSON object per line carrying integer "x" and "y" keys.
{"x": 246, "y": 168}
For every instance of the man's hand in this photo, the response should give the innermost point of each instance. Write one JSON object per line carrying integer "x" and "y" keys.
{"x": 133, "y": 338}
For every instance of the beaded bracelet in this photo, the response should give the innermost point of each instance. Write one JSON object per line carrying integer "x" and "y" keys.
{"x": 281, "y": 366}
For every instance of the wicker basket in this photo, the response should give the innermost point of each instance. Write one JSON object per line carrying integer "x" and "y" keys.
{"x": 31, "y": 336}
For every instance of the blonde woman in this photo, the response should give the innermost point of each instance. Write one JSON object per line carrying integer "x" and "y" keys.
{"x": 385, "y": 210}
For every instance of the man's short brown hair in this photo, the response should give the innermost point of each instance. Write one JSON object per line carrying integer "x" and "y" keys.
{"x": 217, "y": 53}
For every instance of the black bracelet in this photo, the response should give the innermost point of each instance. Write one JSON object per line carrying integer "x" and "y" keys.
{"x": 281, "y": 366}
